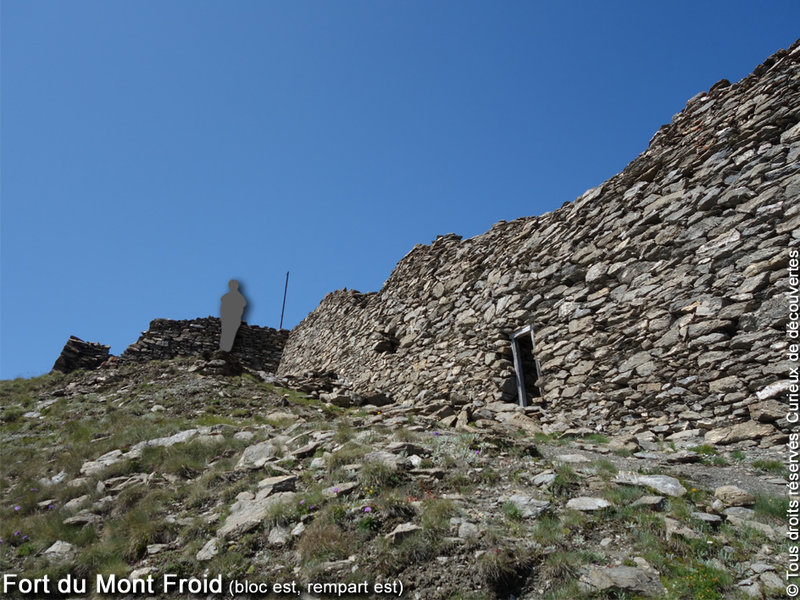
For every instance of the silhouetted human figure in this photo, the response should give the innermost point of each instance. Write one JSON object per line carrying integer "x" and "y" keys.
{"x": 231, "y": 310}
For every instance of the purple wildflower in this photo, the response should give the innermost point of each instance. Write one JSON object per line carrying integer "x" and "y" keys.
{"x": 302, "y": 501}
{"x": 17, "y": 507}
{"x": 367, "y": 509}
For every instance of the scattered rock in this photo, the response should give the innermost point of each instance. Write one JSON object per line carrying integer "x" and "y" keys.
{"x": 587, "y": 504}
{"x": 61, "y": 552}
{"x": 402, "y": 531}
{"x": 734, "y": 496}
{"x": 661, "y": 483}
{"x": 529, "y": 507}
{"x": 247, "y": 514}
{"x": 467, "y": 530}
{"x": 278, "y": 536}
{"x": 751, "y": 430}
{"x": 653, "y": 502}
{"x": 209, "y": 550}
{"x": 256, "y": 456}
{"x": 674, "y": 527}
{"x": 626, "y": 579}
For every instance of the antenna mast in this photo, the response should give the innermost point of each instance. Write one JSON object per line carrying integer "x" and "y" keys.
{"x": 285, "y": 287}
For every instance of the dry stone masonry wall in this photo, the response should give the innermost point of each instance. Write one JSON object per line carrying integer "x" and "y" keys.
{"x": 658, "y": 295}
{"x": 255, "y": 347}
{"x": 78, "y": 354}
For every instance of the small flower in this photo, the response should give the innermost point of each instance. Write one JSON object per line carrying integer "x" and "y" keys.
{"x": 302, "y": 501}
{"x": 367, "y": 509}
{"x": 477, "y": 452}
{"x": 694, "y": 489}
{"x": 17, "y": 532}
{"x": 436, "y": 433}
{"x": 51, "y": 506}
{"x": 335, "y": 490}
{"x": 17, "y": 507}
{"x": 24, "y": 537}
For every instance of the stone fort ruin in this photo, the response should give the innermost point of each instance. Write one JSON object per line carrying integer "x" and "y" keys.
{"x": 661, "y": 293}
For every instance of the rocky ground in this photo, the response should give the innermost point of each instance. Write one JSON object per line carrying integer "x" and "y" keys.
{"x": 172, "y": 467}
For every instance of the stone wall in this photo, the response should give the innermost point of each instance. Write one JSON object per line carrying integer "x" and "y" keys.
{"x": 660, "y": 294}
{"x": 256, "y": 347}
{"x": 78, "y": 354}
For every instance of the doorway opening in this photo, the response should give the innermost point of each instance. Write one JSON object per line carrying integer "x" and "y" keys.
{"x": 526, "y": 367}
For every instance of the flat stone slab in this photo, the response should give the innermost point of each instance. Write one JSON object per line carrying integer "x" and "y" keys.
{"x": 751, "y": 430}
{"x": 60, "y": 551}
{"x": 571, "y": 458}
{"x": 256, "y": 456}
{"x": 734, "y": 496}
{"x": 739, "y": 512}
{"x": 82, "y": 518}
{"x": 407, "y": 448}
{"x": 340, "y": 489}
{"x": 588, "y": 504}
{"x": 707, "y": 518}
{"x": 209, "y": 550}
{"x": 661, "y": 483}
{"x": 247, "y": 514}
{"x": 165, "y": 442}
{"x": 629, "y": 579}
{"x": 97, "y": 465}
{"x": 279, "y": 483}
{"x": 306, "y": 450}
{"x": 401, "y": 531}
{"x": 544, "y": 478}
{"x": 654, "y": 502}
{"x": 528, "y": 506}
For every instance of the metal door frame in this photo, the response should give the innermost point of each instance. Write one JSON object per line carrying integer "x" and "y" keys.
{"x": 522, "y": 397}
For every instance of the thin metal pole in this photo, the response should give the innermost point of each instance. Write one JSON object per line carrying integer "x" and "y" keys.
{"x": 285, "y": 287}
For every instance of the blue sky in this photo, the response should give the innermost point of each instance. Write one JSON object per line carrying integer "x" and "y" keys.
{"x": 150, "y": 151}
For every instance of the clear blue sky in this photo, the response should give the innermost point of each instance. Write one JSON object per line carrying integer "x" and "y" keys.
{"x": 150, "y": 151}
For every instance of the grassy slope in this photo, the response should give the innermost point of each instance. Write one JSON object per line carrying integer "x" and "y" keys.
{"x": 190, "y": 487}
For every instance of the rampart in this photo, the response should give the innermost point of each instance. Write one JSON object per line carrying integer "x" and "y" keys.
{"x": 660, "y": 293}
{"x": 256, "y": 347}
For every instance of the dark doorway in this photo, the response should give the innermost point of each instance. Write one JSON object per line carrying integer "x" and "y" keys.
{"x": 526, "y": 367}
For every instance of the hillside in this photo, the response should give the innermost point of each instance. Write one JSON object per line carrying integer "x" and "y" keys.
{"x": 156, "y": 468}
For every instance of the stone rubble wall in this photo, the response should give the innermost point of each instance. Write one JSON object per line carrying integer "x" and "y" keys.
{"x": 78, "y": 354}
{"x": 256, "y": 347}
{"x": 658, "y": 295}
